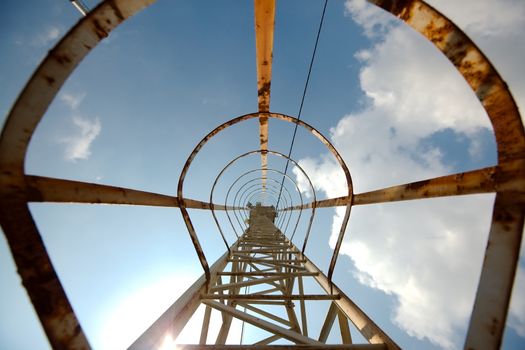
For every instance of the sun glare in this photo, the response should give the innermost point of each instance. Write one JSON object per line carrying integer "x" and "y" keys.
{"x": 138, "y": 310}
{"x": 168, "y": 343}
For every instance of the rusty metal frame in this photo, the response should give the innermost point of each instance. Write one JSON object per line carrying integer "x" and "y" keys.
{"x": 244, "y": 203}
{"x": 275, "y": 153}
{"x": 241, "y": 195}
{"x": 235, "y": 197}
{"x": 280, "y": 219}
{"x": 247, "y": 173}
{"x": 283, "y": 117}
{"x": 264, "y": 28}
{"x": 252, "y": 192}
{"x": 506, "y": 179}
{"x": 279, "y": 267}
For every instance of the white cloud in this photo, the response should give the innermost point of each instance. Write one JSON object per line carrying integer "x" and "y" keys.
{"x": 71, "y": 100}
{"x": 497, "y": 28}
{"x": 427, "y": 254}
{"x": 480, "y": 17}
{"x": 78, "y": 145}
{"x": 142, "y": 307}
{"x": 47, "y": 37}
{"x": 374, "y": 21}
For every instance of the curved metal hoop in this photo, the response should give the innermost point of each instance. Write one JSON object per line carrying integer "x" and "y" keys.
{"x": 272, "y": 153}
{"x": 247, "y": 173}
{"x": 244, "y": 212}
{"x": 242, "y": 203}
{"x": 281, "y": 218}
{"x": 313, "y": 131}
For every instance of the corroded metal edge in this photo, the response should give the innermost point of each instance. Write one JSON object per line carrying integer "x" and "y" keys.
{"x": 33, "y": 264}
{"x": 53, "y": 190}
{"x": 227, "y": 124}
{"x": 219, "y": 175}
{"x": 501, "y": 256}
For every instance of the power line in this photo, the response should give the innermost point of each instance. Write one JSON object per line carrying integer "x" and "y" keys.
{"x": 80, "y": 6}
{"x": 302, "y": 101}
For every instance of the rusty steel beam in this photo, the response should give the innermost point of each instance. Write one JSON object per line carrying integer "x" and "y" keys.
{"x": 264, "y": 28}
{"x": 501, "y": 257}
{"x": 260, "y": 323}
{"x": 46, "y": 189}
{"x": 29, "y": 253}
{"x": 487, "y": 321}
{"x": 263, "y": 231}
{"x": 365, "y": 325}
{"x": 508, "y": 177}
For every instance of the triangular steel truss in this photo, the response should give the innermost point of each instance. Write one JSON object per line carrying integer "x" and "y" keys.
{"x": 257, "y": 276}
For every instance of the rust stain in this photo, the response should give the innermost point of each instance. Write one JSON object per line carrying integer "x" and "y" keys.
{"x": 61, "y": 58}
{"x": 50, "y": 80}
{"x": 396, "y": 7}
{"x": 264, "y": 90}
{"x": 417, "y": 185}
{"x": 99, "y": 29}
{"x": 494, "y": 326}
{"x": 117, "y": 11}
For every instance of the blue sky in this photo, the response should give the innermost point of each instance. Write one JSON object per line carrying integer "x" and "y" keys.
{"x": 138, "y": 104}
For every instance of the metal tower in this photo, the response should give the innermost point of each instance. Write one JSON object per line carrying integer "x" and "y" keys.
{"x": 264, "y": 260}
{"x": 264, "y": 269}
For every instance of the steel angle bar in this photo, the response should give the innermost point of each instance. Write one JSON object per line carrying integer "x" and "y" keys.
{"x": 364, "y": 324}
{"x": 175, "y": 318}
{"x": 264, "y": 28}
{"x": 328, "y": 323}
{"x": 508, "y": 177}
{"x": 255, "y": 296}
{"x": 268, "y": 326}
{"x": 46, "y": 189}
